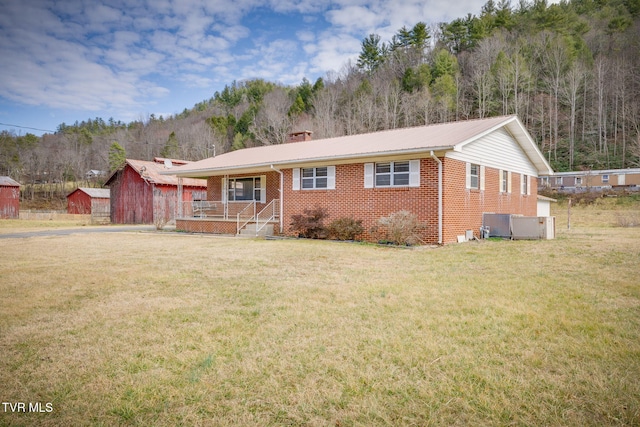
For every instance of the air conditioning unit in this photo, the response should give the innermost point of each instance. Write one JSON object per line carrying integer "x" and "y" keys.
{"x": 533, "y": 227}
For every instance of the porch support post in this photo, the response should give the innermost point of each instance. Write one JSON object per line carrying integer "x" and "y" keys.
{"x": 225, "y": 196}
{"x": 180, "y": 197}
{"x": 281, "y": 191}
{"x": 433, "y": 156}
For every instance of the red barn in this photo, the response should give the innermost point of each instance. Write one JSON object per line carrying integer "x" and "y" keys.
{"x": 9, "y": 198}
{"x": 140, "y": 195}
{"x": 94, "y": 201}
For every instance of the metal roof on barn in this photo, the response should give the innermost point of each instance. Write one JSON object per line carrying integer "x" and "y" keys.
{"x": 150, "y": 172}
{"x": 5, "y": 181}
{"x": 94, "y": 193}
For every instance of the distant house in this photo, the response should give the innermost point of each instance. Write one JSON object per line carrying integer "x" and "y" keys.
{"x": 9, "y": 198}
{"x": 94, "y": 173}
{"x": 93, "y": 201}
{"x": 592, "y": 180}
{"x": 141, "y": 195}
{"x": 447, "y": 175}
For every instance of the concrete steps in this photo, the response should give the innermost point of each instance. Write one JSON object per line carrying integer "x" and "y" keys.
{"x": 249, "y": 230}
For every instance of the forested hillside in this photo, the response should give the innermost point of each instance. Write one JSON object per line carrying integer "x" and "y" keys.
{"x": 570, "y": 71}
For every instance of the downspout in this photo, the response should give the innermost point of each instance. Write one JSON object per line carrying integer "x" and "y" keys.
{"x": 280, "y": 190}
{"x": 433, "y": 156}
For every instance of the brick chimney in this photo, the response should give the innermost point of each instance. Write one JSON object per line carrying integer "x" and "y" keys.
{"x": 300, "y": 136}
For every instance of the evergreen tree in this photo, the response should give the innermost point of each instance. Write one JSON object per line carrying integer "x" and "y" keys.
{"x": 117, "y": 157}
{"x": 171, "y": 149}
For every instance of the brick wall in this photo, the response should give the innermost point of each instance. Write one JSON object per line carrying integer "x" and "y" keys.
{"x": 351, "y": 199}
{"x": 463, "y": 208}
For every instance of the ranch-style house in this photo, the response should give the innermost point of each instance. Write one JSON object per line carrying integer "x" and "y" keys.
{"x": 447, "y": 175}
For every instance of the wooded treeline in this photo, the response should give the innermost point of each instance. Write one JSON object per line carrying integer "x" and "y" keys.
{"x": 570, "y": 71}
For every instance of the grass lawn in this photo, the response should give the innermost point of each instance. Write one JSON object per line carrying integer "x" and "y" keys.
{"x": 170, "y": 329}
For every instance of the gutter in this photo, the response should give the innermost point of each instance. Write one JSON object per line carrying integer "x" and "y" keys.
{"x": 281, "y": 197}
{"x": 433, "y": 156}
{"x": 292, "y": 163}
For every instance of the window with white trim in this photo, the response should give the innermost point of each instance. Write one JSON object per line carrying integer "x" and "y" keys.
{"x": 578, "y": 180}
{"x": 524, "y": 184}
{"x": 252, "y": 188}
{"x": 558, "y": 180}
{"x": 318, "y": 178}
{"x": 605, "y": 178}
{"x": 314, "y": 178}
{"x": 474, "y": 176}
{"x": 504, "y": 181}
{"x": 392, "y": 174}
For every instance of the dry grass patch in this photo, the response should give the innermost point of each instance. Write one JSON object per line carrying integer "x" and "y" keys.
{"x": 164, "y": 329}
{"x": 22, "y": 225}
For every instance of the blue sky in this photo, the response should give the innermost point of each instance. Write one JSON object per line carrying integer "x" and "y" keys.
{"x": 69, "y": 60}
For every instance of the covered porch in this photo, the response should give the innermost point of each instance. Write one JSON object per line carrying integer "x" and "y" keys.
{"x": 248, "y": 204}
{"x": 230, "y": 217}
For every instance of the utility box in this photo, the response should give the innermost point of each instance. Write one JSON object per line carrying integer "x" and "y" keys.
{"x": 533, "y": 228}
{"x": 499, "y": 225}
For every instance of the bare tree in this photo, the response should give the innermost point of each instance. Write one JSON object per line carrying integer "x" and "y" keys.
{"x": 273, "y": 123}
{"x": 570, "y": 91}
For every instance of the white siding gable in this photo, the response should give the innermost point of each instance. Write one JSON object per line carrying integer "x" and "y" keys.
{"x": 498, "y": 150}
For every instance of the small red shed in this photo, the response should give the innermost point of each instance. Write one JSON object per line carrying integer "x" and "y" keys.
{"x": 9, "y": 198}
{"x": 140, "y": 195}
{"x": 89, "y": 201}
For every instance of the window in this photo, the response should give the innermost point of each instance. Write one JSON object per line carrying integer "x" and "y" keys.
{"x": 474, "y": 176}
{"x": 321, "y": 178}
{"x": 524, "y": 184}
{"x": 544, "y": 181}
{"x": 558, "y": 180}
{"x": 314, "y": 178}
{"x": 246, "y": 189}
{"x": 392, "y": 174}
{"x": 605, "y": 178}
{"x": 504, "y": 181}
{"x": 578, "y": 180}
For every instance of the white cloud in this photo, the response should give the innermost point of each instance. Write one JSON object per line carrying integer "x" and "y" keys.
{"x": 355, "y": 18}
{"x": 123, "y": 55}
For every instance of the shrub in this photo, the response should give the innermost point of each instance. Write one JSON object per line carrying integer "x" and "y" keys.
{"x": 399, "y": 228}
{"x": 310, "y": 223}
{"x": 345, "y": 228}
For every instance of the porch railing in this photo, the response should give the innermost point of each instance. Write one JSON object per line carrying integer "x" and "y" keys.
{"x": 214, "y": 209}
{"x": 247, "y": 215}
{"x": 243, "y": 212}
{"x": 269, "y": 213}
